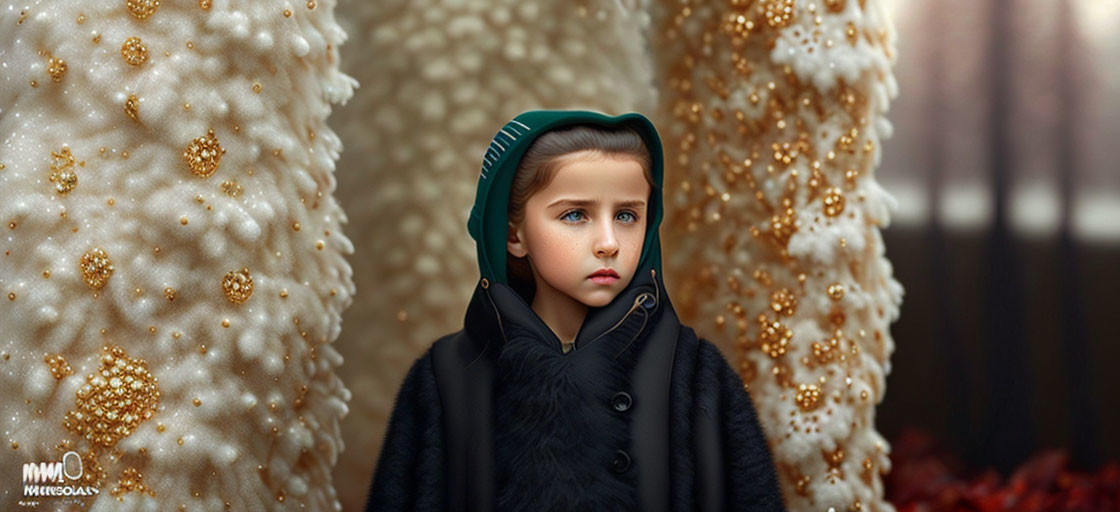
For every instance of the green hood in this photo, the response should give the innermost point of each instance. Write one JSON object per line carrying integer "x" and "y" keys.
{"x": 488, "y": 223}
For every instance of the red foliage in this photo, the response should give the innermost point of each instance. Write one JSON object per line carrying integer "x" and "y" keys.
{"x": 925, "y": 478}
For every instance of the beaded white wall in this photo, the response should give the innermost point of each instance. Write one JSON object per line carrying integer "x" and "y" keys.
{"x": 773, "y": 114}
{"x": 173, "y": 265}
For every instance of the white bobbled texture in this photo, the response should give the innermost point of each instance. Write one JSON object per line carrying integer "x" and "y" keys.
{"x": 772, "y": 117}
{"x": 250, "y": 405}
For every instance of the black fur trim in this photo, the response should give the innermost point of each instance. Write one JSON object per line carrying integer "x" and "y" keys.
{"x": 556, "y": 433}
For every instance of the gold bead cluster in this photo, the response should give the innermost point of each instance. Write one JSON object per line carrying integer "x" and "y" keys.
{"x": 834, "y": 459}
{"x": 238, "y": 285}
{"x": 783, "y": 225}
{"x": 56, "y": 68}
{"x": 59, "y": 367}
{"x": 96, "y": 267}
{"x": 746, "y": 16}
{"x": 801, "y": 484}
{"x": 787, "y": 152}
{"x": 134, "y": 52}
{"x": 774, "y": 338}
{"x": 141, "y": 9}
{"x": 845, "y": 142}
{"x": 833, "y": 202}
{"x": 204, "y": 154}
{"x": 62, "y": 171}
{"x": 778, "y": 13}
{"x": 231, "y": 188}
{"x": 826, "y": 352}
{"x": 783, "y": 302}
{"x": 738, "y": 25}
{"x": 132, "y": 107}
{"x": 131, "y": 481}
{"x": 114, "y": 400}
{"x": 808, "y": 397}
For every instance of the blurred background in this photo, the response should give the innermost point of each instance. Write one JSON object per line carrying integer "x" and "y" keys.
{"x": 1008, "y": 237}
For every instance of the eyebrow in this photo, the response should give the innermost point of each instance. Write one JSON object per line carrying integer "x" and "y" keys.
{"x": 589, "y": 202}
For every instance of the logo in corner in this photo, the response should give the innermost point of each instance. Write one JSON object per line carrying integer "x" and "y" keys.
{"x": 56, "y": 479}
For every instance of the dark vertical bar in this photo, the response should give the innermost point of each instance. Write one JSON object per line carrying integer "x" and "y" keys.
{"x": 1007, "y": 433}
{"x": 1075, "y": 342}
{"x": 946, "y": 330}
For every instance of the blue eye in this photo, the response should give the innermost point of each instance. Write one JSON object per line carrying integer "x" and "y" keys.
{"x": 569, "y": 214}
{"x": 633, "y": 216}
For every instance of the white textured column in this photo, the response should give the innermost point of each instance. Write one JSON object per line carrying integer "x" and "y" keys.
{"x": 172, "y": 267}
{"x": 438, "y": 80}
{"x": 772, "y": 115}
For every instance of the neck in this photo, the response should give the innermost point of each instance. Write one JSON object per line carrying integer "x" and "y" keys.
{"x": 561, "y": 313}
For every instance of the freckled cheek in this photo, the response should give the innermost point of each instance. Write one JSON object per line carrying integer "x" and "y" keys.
{"x": 558, "y": 247}
{"x": 634, "y": 246}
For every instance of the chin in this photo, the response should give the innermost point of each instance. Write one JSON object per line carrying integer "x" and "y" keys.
{"x": 598, "y": 300}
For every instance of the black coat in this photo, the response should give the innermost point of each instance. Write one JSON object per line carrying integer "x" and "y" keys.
{"x": 642, "y": 415}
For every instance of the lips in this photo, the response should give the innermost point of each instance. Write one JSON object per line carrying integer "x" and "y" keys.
{"x": 604, "y": 272}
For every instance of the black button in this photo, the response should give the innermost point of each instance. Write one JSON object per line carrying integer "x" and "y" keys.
{"x": 621, "y": 462}
{"x": 649, "y": 302}
{"x": 621, "y": 401}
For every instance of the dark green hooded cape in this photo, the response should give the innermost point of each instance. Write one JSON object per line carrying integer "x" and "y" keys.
{"x": 641, "y": 415}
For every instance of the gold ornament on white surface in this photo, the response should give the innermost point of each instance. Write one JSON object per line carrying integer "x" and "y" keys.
{"x": 96, "y": 267}
{"x": 772, "y": 114}
{"x": 141, "y": 9}
{"x": 118, "y": 343}
{"x": 134, "y": 52}
{"x": 204, "y": 154}
{"x": 238, "y": 285}
{"x": 62, "y": 171}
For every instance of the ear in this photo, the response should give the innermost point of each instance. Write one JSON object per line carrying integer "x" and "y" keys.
{"x": 515, "y": 241}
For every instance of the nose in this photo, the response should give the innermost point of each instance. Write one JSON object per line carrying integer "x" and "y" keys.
{"x": 606, "y": 243}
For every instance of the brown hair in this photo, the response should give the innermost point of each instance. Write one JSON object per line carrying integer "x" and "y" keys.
{"x": 544, "y": 157}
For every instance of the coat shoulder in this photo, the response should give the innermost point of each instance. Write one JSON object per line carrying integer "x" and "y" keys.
{"x": 454, "y": 350}
{"x": 702, "y": 353}
{"x": 448, "y": 339}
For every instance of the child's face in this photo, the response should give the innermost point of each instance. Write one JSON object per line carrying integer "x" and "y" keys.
{"x": 591, "y": 216}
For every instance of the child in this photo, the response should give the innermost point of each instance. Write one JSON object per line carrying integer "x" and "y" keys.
{"x": 573, "y": 385}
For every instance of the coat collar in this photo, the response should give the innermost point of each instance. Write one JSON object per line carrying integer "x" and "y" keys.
{"x": 495, "y": 306}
